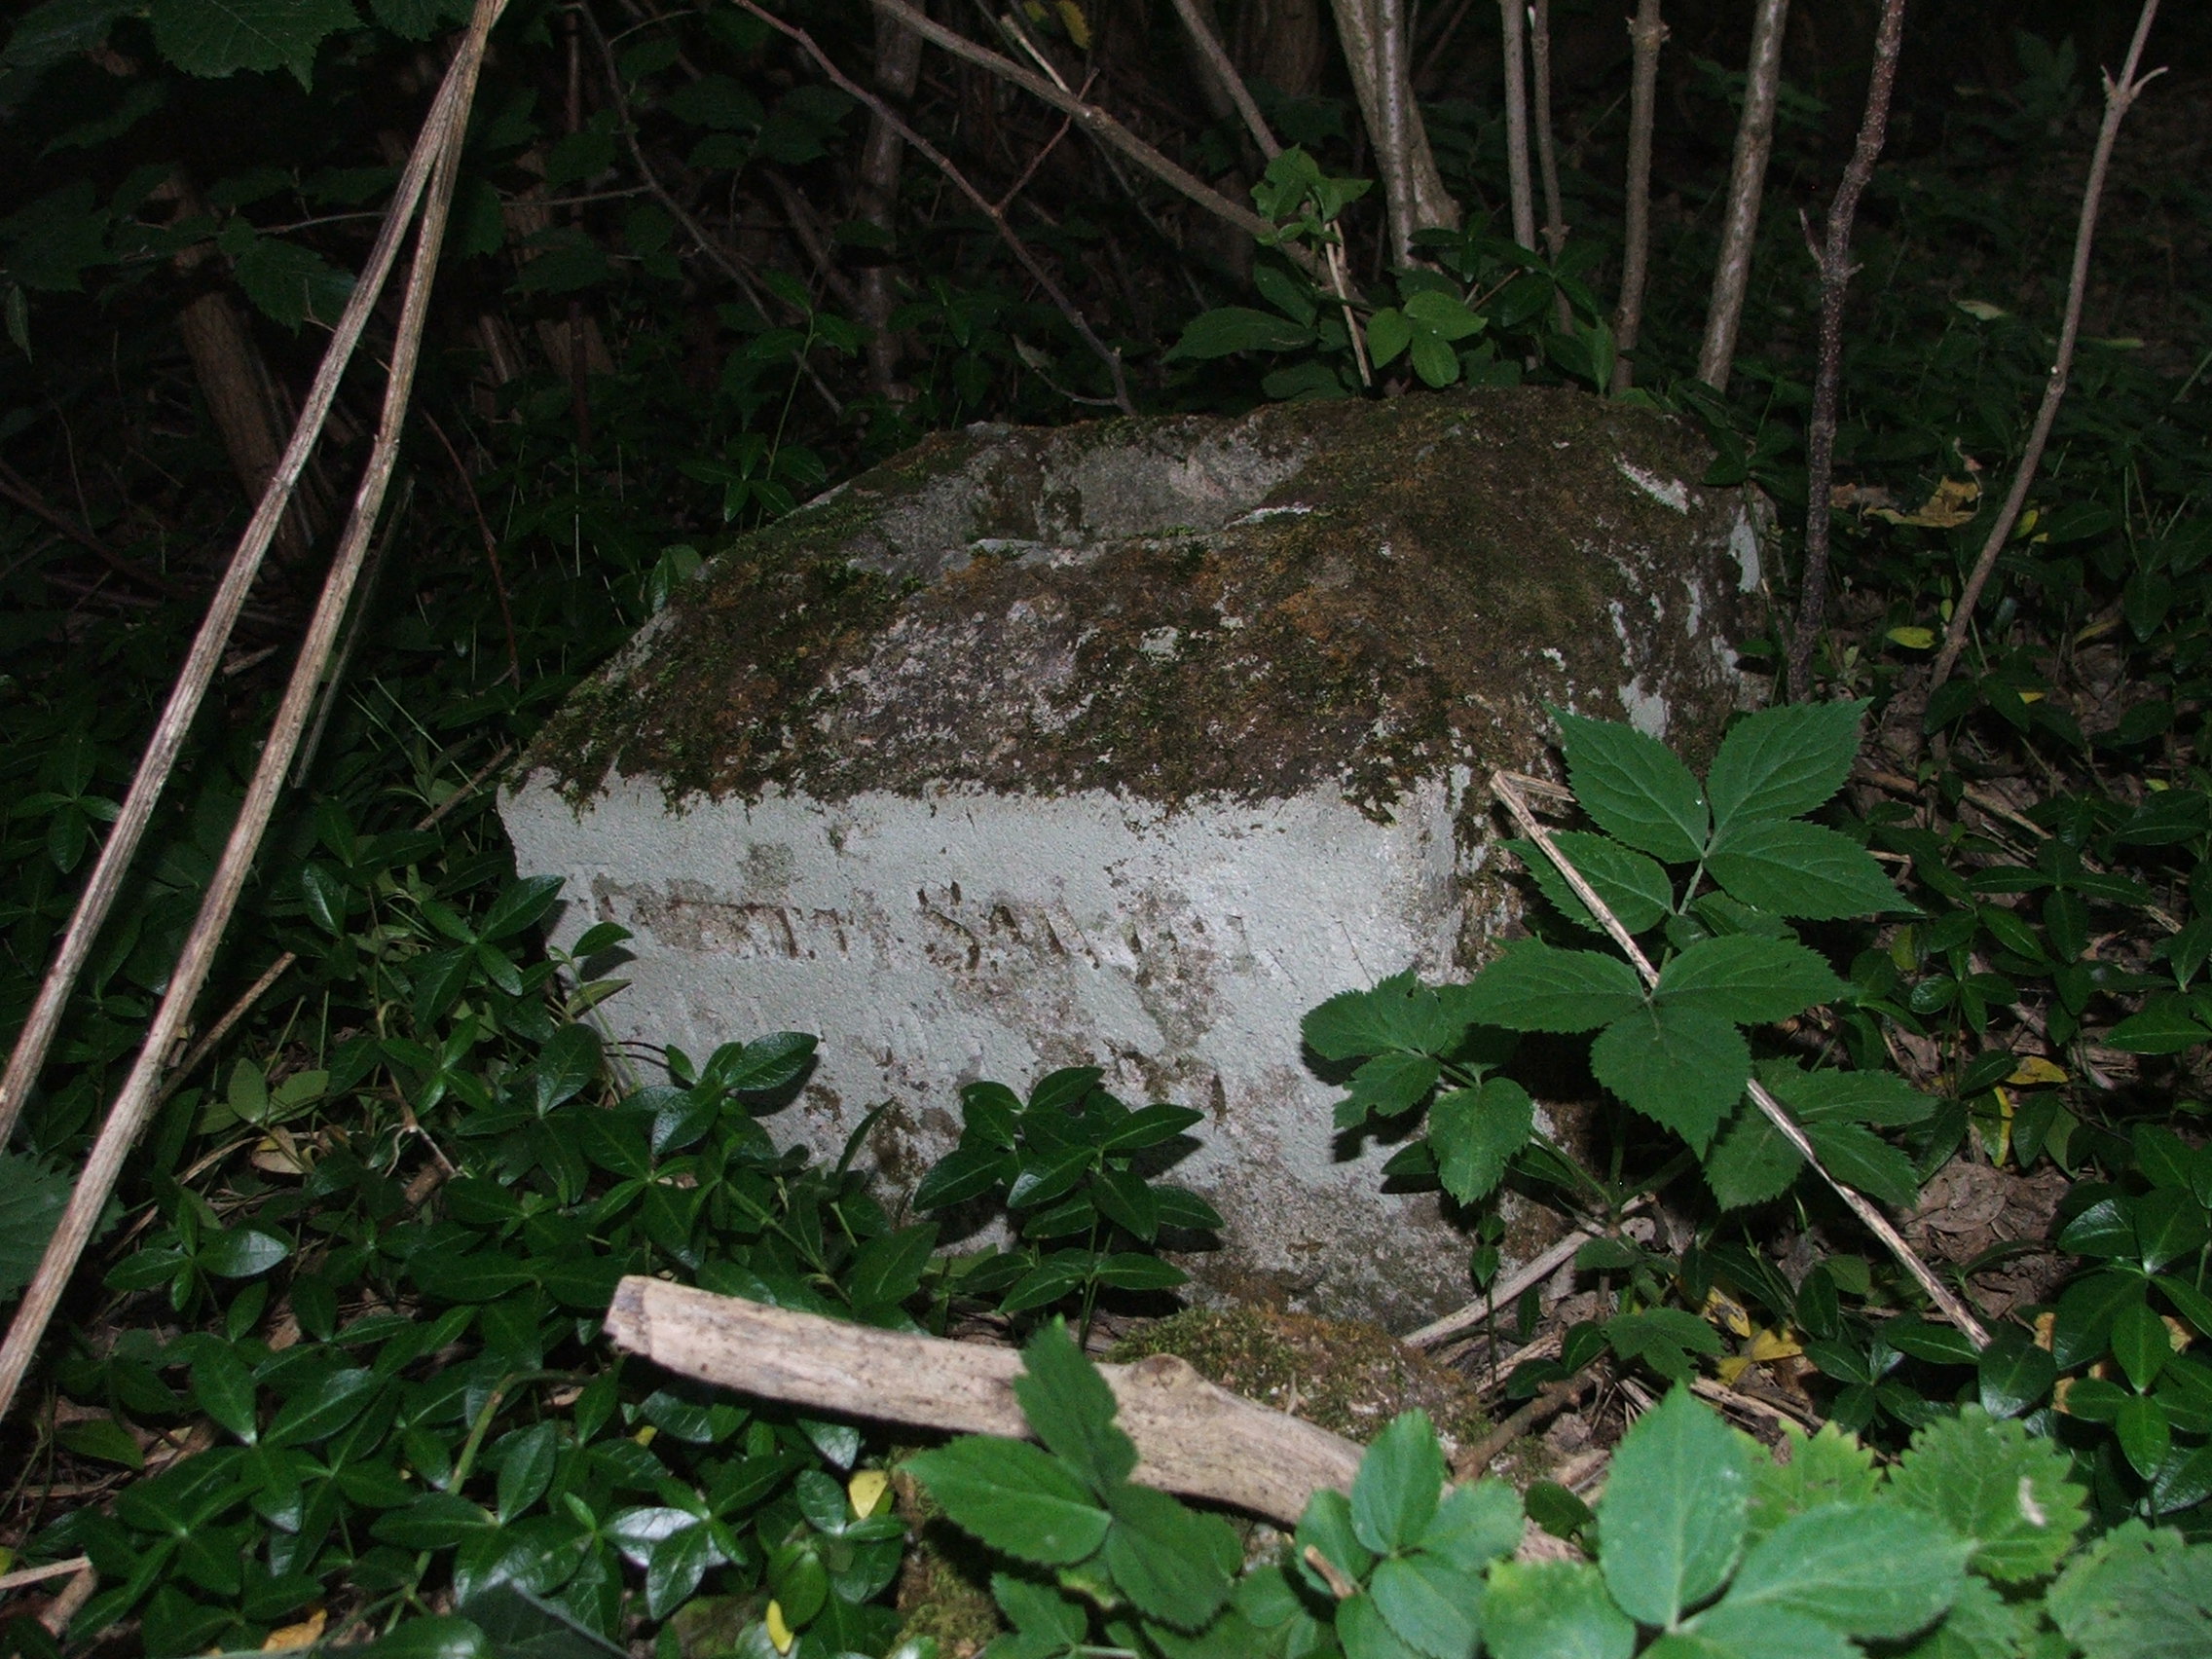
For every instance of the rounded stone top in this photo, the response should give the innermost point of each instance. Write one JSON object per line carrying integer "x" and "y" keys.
{"x": 1352, "y": 594}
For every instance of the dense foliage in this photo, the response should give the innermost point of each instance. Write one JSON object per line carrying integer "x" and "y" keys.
{"x": 336, "y": 1371}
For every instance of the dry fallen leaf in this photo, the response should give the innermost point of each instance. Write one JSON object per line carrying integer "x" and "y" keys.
{"x": 1953, "y": 503}
{"x": 306, "y": 1634}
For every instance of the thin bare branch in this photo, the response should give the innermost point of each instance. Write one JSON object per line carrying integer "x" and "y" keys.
{"x": 135, "y": 1101}
{"x": 223, "y": 610}
{"x": 1834, "y": 255}
{"x": 2119, "y": 94}
{"x": 1514, "y": 23}
{"x": 1646, "y": 33}
{"x": 1746, "y": 179}
{"x": 1211, "y": 48}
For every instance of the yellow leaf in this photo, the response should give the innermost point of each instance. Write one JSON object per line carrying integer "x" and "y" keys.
{"x": 1773, "y": 1344}
{"x": 1952, "y": 505}
{"x": 2059, "y": 1390}
{"x": 2030, "y": 696}
{"x": 2035, "y": 1070}
{"x": 2177, "y": 1333}
{"x": 1912, "y": 638}
{"x": 306, "y": 1634}
{"x": 779, "y": 1632}
{"x": 866, "y": 1491}
{"x": 1731, "y": 1368}
{"x": 1981, "y": 311}
{"x": 644, "y": 1435}
{"x": 7, "y": 1558}
{"x": 1075, "y": 24}
{"x": 2047, "y": 1327}
{"x": 1727, "y": 1313}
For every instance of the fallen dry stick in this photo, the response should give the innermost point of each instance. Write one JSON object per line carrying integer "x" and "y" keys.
{"x": 1190, "y": 1436}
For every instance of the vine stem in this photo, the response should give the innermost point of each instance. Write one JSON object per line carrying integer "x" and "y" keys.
{"x": 2119, "y": 94}
{"x": 133, "y": 1102}
{"x": 1509, "y": 788}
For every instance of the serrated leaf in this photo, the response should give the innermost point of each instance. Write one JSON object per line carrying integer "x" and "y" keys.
{"x": 1474, "y": 1134}
{"x": 1673, "y": 1511}
{"x": 1400, "y": 1013}
{"x": 1746, "y": 979}
{"x": 290, "y": 283}
{"x": 1635, "y": 787}
{"x": 1533, "y": 987}
{"x": 1783, "y": 762}
{"x": 1039, "y": 1612}
{"x": 1364, "y": 1633}
{"x": 220, "y": 37}
{"x": 1992, "y": 1482}
{"x": 1070, "y": 1407}
{"x": 1474, "y": 1525}
{"x": 1391, "y": 1084}
{"x": 1831, "y": 1096}
{"x": 1751, "y": 1162}
{"x": 1174, "y": 1564}
{"x": 1430, "y": 1604}
{"x": 1859, "y": 1157}
{"x": 1826, "y": 1467}
{"x": 1678, "y": 1066}
{"x": 1662, "y": 1338}
{"x": 1553, "y": 1610}
{"x": 1633, "y": 887}
{"x": 1400, "y": 1481}
{"x": 1789, "y": 868}
{"x": 2136, "y": 1593}
{"x": 1867, "y": 1569}
{"x": 1017, "y": 1498}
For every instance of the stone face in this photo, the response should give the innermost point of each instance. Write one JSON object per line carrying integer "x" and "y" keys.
{"x": 1130, "y": 743}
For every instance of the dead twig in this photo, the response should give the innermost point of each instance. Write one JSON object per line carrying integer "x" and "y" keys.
{"x": 1551, "y": 1399}
{"x": 1746, "y": 180}
{"x": 1507, "y": 786}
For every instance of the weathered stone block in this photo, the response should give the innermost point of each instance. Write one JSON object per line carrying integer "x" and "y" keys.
{"x": 1131, "y": 742}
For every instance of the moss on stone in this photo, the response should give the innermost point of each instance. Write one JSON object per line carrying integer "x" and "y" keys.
{"x": 1340, "y": 1375}
{"x": 1355, "y": 594}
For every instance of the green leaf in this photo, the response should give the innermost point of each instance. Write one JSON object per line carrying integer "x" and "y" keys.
{"x": 1124, "y": 1196}
{"x": 526, "y": 1469}
{"x": 2008, "y": 1491}
{"x": 1753, "y": 1632}
{"x": 1672, "y": 1516}
{"x": 1474, "y": 1525}
{"x": 1827, "y": 1467}
{"x": 1174, "y": 1564}
{"x": 32, "y": 1197}
{"x": 1430, "y": 1603}
{"x": 1553, "y": 1610}
{"x": 1388, "y": 1086}
{"x": 888, "y": 1269}
{"x": 1038, "y": 1611}
{"x": 1400, "y": 1480}
{"x": 1401, "y": 1013}
{"x": 1017, "y": 1498}
{"x": 1745, "y": 979}
{"x": 219, "y": 37}
{"x": 1476, "y": 1131}
{"x": 104, "y": 1439}
{"x": 1751, "y": 1162}
{"x": 224, "y": 1388}
{"x": 441, "y": 1636}
{"x": 1783, "y": 762}
{"x": 2145, "y": 1433}
{"x": 1662, "y": 1338}
{"x": 1869, "y": 1569}
{"x": 2136, "y": 1593}
{"x": 1238, "y": 328}
{"x": 1533, "y": 987}
{"x": 1635, "y": 787}
{"x": 1132, "y": 1270}
{"x": 243, "y": 1252}
{"x": 1070, "y": 1407}
{"x": 966, "y": 1172}
{"x": 1388, "y": 333}
{"x": 290, "y": 283}
{"x": 1677, "y": 1066}
{"x": 1860, "y": 1158}
{"x": 2141, "y": 1343}
{"x": 1633, "y": 887}
{"x": 2167, "y": 1026}
{"x": 1801, "y": 869}
{"x": 1365, "y": 1634}
{"x": 1327, "y": 1527}
{"x": 321, "y": 1412}
{"x": 1828, "y": 1096}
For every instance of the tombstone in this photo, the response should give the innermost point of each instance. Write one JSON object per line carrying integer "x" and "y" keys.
{"x": 1129, "y": 742}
